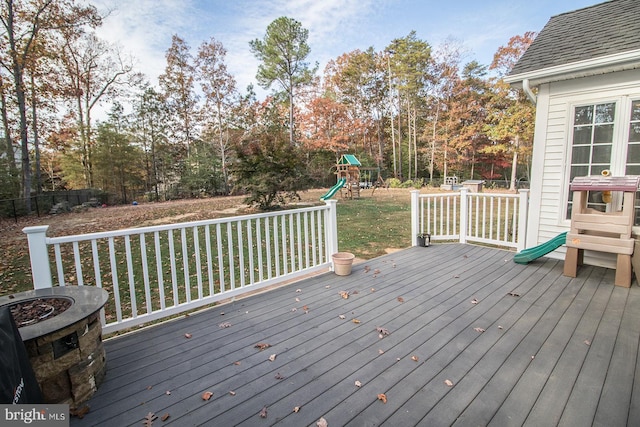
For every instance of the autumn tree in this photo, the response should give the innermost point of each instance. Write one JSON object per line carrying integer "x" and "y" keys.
{"x": 96, "y": 71}
{"x": 24, "y": 25}
{"x": 512, "y": 119}
{"x": 409, "y": 67}
{"x": 219, "y": 88}
{"x": 178, "y": 84}
{"x": 282, "y": 52}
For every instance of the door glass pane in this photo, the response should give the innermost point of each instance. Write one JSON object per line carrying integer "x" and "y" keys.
{"x": 601, "y": 154}
{"x": 603, "y": 134}
{"x": 582, "y": 135}
{"x": 634, "y": 132}
{"x": 580, "y": 154}
{"x": 583, "y": 115}
{"x": 635, "y": 110}
{"x": 605, "y": 113}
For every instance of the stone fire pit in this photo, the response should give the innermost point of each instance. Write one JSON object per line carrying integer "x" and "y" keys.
{"x": 63, "y": 337}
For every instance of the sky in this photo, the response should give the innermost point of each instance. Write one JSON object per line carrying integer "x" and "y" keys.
{"x": 144, "y": 28}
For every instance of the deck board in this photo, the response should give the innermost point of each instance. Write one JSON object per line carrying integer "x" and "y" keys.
{"x": 320, "y": 356}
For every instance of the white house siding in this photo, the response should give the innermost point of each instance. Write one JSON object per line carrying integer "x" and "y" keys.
{"x": 551, "y": 151}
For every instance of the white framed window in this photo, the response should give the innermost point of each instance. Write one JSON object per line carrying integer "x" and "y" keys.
{"x": 604, "y": 135}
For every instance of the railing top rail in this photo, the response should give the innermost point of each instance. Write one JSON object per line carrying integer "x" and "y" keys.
{"x": 430, "y": 195}
{"x": 487, "y": 195}
{"x": 166, "y": 227}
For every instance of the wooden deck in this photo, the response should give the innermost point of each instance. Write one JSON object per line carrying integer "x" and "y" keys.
{"x": 554, "y": 351}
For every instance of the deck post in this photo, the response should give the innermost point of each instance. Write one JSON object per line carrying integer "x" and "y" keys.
{"x": 522, "y": 219}
{"x": 415, "y": 217}
{"x": 332, "y": 227}
{"x": 464, "y": 213}
{"x": 39, "y": 256}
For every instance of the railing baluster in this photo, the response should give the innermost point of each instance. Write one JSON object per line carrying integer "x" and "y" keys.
{"x": 159, "y": 269}
{"x": 114, "y": 279}
{"x": 207, "y": 242}
{"x": 196, "y": 254}
{"x": 250, "y": 252}
{"x": 241, "y": 269}
{"x": 174, "y": 268}
{"x": 132, "y": 284}
{"x": 232, "y": 272}
{"x": 145, "y": 272}
{"x": 78, "y": 263}
{"x": 221, "y": 273}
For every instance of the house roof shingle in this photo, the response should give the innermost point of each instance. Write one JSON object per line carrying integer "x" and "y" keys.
{"x": 595, "y": 31}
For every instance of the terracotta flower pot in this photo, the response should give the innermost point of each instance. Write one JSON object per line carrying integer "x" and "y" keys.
{"x": 342, "y": 262}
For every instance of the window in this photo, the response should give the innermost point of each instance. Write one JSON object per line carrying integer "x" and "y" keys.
{"x": 633, "y": 150}
{"x": 592, "y": 146}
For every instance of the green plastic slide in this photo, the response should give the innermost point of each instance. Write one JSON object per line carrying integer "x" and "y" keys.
{"x": 333, "y": 190}
{"x": 527, "y": 255}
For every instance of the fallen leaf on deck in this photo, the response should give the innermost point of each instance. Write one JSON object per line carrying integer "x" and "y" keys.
{"x": 149, "y": 387}
{"x": 587, "y": 342}
{"x": 305, "y": 308}
{"x": 262, "y": 345}
{"x": 366, "y": 268}
{"x": 414, "y": 358}
{"x": 272, "y": 357}
{"x": 278, "y": 376}
{"x": 358, "y": 384}
{"x": 80, "y": 412}
{"x": 187, "y": 335}
{"x": 354, "y": 292}
{"x": 149, "y": 419}
{"x": 455, "y": 276}
{"x": 449, "y": 383}
{"x": 500, "y": 327}
{"x": 165, "y": 417}
{"x": 478, "y": 330}
{"x": 224, "y": 325}
{"x": 356, "y": 321}
{"x": 296, "y": 409}
{"x": 206, "y": 395}
{"x": 380, "y": 351}
{"x": 328, "y": 287}
{"x": 400, "y": 299}
{"x": 373, "y": 289}
{"x": 382, "y": 331}
{"x": 294, "y": 309}
{"x": 344, "y": 294}
{"x": 513, "y": 294}
{"x": 376, "y": 271}
{"x": 322, "y": 423}
{"x": 474, "y": 301}
{"x": 382, "y": 397}
{"x": 237, "y": 363}
{"x": 342, "y": 316}
{"x": 298, "y": 290}
{"x": 167, "y": 392}
{"x": 297, "y": 299}
{"x": 232, "y": 393}
{"x": 393, "y": 265}
{"x": 263, "y": 412}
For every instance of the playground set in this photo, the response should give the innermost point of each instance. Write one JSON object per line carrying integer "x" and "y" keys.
{"x": 593, "y": 230}
{"x": 348, "y": 177}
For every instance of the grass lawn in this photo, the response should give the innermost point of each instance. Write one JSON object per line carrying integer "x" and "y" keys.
{"x": 368, "y": 227}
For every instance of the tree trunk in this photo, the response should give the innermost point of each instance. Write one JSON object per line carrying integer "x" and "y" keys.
{"x": 36, "y": 138}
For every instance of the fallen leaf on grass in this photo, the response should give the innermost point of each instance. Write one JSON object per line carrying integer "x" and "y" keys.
{"x": 206, "y": 395}
{"x": 165, "y": 417}
{"x": 356, "y": 321}
{"x": 296, "y": 409}
{"x": 478, "y": 330}
{"x": 382, "y": 397}
{"x": 262, "y": 345}
{"x": 449, "y": 383}
{"x": 187, "y": 335}
{"x": 358, "y": 384}
{"x": 272, "y": 357}
{"x": 224, "y": 325}
{"x": 263, "y": 412}
{"x": 400, "y": 299}
{"x": 414, "y": 358}
{"x": 322, "y": 423}
{"x": 149, "y": 419}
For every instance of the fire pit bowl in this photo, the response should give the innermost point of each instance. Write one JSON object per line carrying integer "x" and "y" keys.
{"x": 65, "y": 347}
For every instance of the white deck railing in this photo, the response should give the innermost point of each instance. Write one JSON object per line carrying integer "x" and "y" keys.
{"x": 155, "y": 272}
{"x": 496, "y": 219}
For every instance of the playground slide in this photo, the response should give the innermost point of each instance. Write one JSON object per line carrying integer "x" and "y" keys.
{"x": 333, "y": 190}
{"x": 527, "y": 255}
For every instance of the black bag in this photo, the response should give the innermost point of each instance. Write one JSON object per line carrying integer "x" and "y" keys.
{"x": 18, "y": 383}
